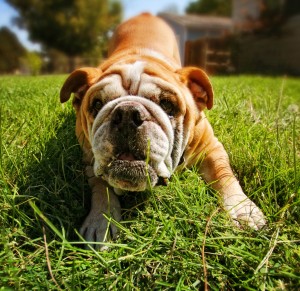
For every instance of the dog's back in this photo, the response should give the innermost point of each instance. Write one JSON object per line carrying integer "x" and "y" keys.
{"x": 145, "y": 34}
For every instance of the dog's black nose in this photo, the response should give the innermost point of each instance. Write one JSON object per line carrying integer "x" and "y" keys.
{"x": 128, "y": 115}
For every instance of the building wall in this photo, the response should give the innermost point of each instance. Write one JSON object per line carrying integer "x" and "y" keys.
{"x": 186, "y": 33}
{"x": 274, "y": 54}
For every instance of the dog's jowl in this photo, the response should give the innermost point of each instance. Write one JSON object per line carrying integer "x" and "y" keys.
{"x": 138, "y": 116}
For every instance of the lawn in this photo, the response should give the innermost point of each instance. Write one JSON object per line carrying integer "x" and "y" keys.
{"x": 172, "y": 238}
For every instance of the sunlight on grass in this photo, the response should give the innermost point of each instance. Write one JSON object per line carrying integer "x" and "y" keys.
{"x": 166, "y": 231}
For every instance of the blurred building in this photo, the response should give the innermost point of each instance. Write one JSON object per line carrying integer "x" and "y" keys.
{"x": 189, "y": 28}
{"x": 267, "y": 38}
{"x": 256, "y": 39}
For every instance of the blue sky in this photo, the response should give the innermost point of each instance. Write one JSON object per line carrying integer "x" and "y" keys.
{"x": 131, "y": 8}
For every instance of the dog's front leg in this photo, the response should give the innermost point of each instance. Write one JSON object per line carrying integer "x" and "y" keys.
{"x": 96, "y": 227}
{"x": 216, "y": 170}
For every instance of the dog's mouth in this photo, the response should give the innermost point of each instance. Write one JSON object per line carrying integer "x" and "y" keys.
{"x": 127, "y": 156}
{"x": 131, "y": 173}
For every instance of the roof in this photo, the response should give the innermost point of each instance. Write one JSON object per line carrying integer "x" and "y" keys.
{"x": 199, "y": 21}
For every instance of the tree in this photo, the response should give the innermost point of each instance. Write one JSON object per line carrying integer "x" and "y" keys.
{"x": 210, "y": 7}
{"x": 32, "y": 62}
{"x": 11, "y": 51}
{"x": 73, "y": 27}
{"x": 274, "y": 13}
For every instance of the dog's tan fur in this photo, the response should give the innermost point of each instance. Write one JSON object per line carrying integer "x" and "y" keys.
{"x": 149, "y": 39}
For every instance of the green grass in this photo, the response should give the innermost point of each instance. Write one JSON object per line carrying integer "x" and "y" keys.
{"x": 173, "y": 238}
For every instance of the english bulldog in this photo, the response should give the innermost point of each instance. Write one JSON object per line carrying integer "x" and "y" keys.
{"x": 139, "y": 117}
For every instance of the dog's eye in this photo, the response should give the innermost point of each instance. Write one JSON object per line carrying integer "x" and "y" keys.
{"x": 96, "y": 106}
{"x": 168, "y": 107}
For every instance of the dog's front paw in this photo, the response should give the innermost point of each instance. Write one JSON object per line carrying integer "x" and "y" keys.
{"x": 244, "y": 212}
{"x": 97, "y": 227}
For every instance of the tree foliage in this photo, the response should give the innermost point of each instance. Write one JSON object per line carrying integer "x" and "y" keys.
{"x": 11, "y": 51}
{"x": 210, "y": 7}
{"x": 32, "y": 63}
{"x": 73, "y": 27}
{"x": 274, "y": 13}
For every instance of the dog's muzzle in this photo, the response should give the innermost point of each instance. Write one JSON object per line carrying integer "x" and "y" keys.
{"x": 132, "y": 143}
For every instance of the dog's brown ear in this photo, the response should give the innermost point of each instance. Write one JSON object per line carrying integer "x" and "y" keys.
{"x": 198, "y": 83}
{"x": 78, "y": 83}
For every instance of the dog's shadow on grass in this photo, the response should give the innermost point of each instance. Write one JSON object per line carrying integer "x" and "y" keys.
{"x": 55, "y": 182}
{"x": 57, "y": 185}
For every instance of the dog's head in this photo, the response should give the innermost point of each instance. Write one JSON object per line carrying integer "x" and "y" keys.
{"x": 137, "y": 118}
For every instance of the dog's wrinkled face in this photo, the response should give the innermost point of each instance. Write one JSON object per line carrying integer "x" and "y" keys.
{"x": 132, "y": 138}
{"x": 136, "y": 135}
{"x": 137, "y": 123}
